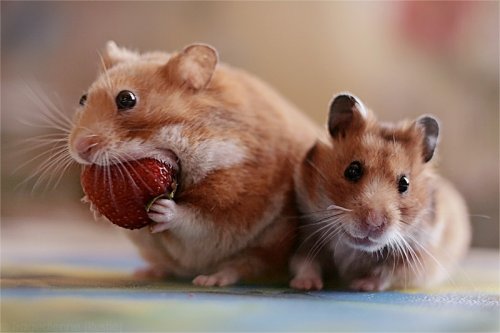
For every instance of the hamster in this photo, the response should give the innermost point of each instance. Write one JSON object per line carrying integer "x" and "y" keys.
{"x": 376, "y": 216}
{"x": 235, "y": 143}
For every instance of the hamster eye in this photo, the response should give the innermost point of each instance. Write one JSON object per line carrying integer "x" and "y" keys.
{"x": 403, "y": 184}
{"x": 354, "y": 171}
{"x": 83, "y": 100}
{"x": 125, "y": 100}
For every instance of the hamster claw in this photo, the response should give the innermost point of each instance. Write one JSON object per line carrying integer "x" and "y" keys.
{"x": 307, "y": 283}
{"x": 221, "y": 279}
{"x": 371, "y": 283}
{"x": 163, "y": 212}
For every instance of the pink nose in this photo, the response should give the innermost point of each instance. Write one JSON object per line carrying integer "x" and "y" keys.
{"x": 375, "y": 221}
{"x": 86, "y": 146}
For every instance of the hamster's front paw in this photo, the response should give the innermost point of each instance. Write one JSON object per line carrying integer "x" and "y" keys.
{"x": 307, "y": 274}
{"x": 222, "y": 278}
{"x": 307, "y": 283}
{"x": 163, "y": 212}
{"x": 369, "y": 283}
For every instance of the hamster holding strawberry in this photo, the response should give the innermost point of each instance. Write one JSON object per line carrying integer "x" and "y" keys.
{"x": 232, "y": 142}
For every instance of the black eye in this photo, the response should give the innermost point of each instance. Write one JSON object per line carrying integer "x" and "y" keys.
{"x": 125, "y": 100}
{"x": 403, "y": 184}
{"x": 83, "y": 100}
{"x": 354, "y": 171}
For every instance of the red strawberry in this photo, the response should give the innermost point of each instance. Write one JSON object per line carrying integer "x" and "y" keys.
{"x": 123, "y": 192}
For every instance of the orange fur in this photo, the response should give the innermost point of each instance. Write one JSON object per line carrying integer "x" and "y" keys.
{"x": 231, "y": 204}
{"x": 422, "y": 215}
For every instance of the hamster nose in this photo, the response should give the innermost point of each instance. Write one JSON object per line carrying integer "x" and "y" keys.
{"x": 86, "y": 146}
{"x": 375, "y": 221}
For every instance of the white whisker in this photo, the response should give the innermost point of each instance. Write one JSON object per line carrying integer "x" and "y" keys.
{"x": 317, "y": 169}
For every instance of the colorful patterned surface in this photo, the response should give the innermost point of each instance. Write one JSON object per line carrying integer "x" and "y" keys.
{"x": 88, "y": 289}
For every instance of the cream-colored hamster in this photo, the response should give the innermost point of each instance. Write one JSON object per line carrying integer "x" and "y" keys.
{"x": 375, "y": 212}
{"x": 235, "y": 142}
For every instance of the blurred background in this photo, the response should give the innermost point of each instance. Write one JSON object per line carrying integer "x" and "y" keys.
{"x": 403, "y": 59}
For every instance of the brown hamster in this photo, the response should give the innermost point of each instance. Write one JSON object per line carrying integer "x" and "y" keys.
{"x": 235, "y": 142}
{"x": 375, "y": 212}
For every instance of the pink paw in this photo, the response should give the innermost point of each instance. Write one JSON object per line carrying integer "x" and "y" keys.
{"x": 368, "y": 284}
{"x": 307, "y": 283}
{"x": 220, "y": 279}
{"x": 163, "y": 212}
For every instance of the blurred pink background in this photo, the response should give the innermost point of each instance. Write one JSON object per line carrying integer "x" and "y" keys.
{"x": 403, "y": 59}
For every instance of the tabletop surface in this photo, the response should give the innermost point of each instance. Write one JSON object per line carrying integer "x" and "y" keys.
{"x": 80, "y": 281}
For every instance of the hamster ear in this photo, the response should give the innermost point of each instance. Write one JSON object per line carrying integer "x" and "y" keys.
{"x": 429, "y": 127}
{"x": 347, "y": 113}
{"x": 193, "y": 67}
{"x": 115, "y": 54}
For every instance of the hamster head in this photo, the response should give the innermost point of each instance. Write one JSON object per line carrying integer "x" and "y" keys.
{"x": 134, "y": 96}
{"x": 372, "y": 179}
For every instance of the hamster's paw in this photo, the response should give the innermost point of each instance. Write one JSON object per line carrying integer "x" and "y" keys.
{"x": 163, "y": 212}
{"x": 220, "y": 279}
{"x": 370, "y": 283}
{"x": 307, "y": 283}
{"x": 93, "y": 209}
{"x": 150, "y": 272}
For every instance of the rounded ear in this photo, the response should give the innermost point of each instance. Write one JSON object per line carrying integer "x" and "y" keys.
{"x": 347, "y": 114}
{"x": 193, "y": 67}
{"x": 114, "y": 54}
{"x": 429, "y": 126}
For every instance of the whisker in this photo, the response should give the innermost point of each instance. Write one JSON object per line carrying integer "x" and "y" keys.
{"x": 108, "y": 178}
{"x": 415, "y": 255}
{"x": 328, "y": 225}
{"x": 120, "y": 163}
{"x": 51, "y": 152}
{"x": 486, "y": 217}
{"x": 109, "y": 84}
{"x": 445, "y": 270}
{"x": 46, "y": 126}
{"x": 332, "y": 207}
{"x": 339, "y": 240}
{"x": 322, "y": 241}
{"x": 327, "y": 210}
{"x": 62, "y": 170}
{"x": 50, "y": 113}
{"x": 316, "y": 169}
{"x": 410, "y": 258}
{"x": 49, "y": 170}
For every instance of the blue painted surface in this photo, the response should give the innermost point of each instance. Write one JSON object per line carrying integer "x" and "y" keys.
{"x": 52, "y": 296}
{"x": 239, "y": 308}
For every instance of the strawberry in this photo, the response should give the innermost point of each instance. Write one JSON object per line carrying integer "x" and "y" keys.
{"x": 124, "y": 192}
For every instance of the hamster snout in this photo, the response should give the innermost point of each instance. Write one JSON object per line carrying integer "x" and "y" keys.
{"x": 372, "y": 226}
{"x": 370, "y": 232}
{"x": 84, "y": 148}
